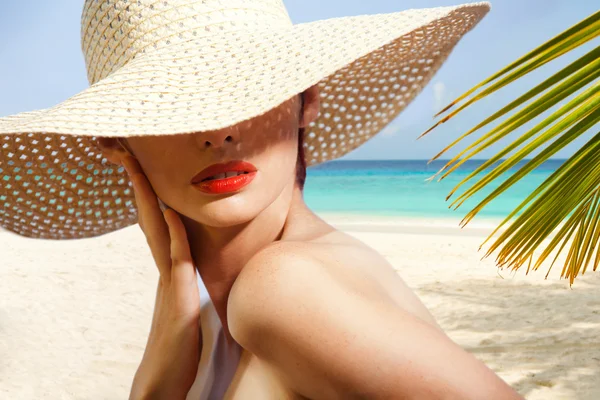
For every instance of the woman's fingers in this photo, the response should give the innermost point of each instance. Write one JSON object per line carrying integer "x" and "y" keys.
{"x": 182, "y": 267}
{"x": 184, "y": 284}
{"x": 151, "y": 218}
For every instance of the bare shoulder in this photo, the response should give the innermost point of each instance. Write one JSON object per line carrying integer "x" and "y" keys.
{"x": 287, "y": 270}
{"x": 280, "y": 305}
{"x": 285, "y": 265}
{"x": 333, "y": 254}
{"x": 272, "y": 271}
{"x": 321, "y": 315}
{"x": 288, "y": 273}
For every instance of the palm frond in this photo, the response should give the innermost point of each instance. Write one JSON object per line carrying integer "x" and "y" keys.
{"x": 565, "y": 208}
{"x": 576, "y": 35}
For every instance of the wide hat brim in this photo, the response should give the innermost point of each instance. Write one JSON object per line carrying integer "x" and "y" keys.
{"x": 55, "y": 184}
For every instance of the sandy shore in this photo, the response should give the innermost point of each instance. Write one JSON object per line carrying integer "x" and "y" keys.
{"x": 74, "y": 316}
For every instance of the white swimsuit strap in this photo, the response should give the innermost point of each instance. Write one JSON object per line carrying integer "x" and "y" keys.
{"x": 218, "y": 361}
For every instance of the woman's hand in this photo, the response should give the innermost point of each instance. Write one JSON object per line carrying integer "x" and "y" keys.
{"x": 170, "y": 362}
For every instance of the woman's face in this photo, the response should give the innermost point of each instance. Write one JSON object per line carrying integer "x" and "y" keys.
{"x": 269, "y": 142}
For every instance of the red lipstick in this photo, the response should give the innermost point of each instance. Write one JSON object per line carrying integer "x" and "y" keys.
{"x": 225, "y": 177}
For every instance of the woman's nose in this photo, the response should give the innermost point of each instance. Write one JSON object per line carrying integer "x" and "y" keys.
{"x": 220, "y": 138}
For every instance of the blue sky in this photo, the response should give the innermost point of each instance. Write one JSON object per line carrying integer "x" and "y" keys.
{"x": 42, "y": 65}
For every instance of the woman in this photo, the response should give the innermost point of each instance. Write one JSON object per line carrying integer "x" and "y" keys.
{"x": 315, "y": 312}
{"x": 301, "y": 310}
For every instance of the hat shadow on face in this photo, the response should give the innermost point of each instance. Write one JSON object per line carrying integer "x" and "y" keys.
{"x": 247, "y": 138}
{"x": 269, "y": 138}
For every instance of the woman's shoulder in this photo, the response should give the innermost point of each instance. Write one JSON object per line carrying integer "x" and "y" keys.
{"x": 283, "y": 297}
{"x": 281, "y": 261}
{"x": 287, "y": 273}
{"x": 336, "y": 256}
{"x": 311, "y": 309}
{"x": 327, "y": 251}
{"x": 328, "y": 328}
{"x": 283, "y": 267}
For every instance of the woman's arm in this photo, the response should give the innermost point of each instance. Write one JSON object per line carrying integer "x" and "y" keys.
{"x": 170, "y": 361}
{"x": 329, "y": 341}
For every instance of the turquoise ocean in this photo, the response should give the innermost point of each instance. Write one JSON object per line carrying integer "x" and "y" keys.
{"x": 399, "y": 188}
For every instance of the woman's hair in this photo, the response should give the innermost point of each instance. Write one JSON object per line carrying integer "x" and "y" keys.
{"x": 301, "y": 161}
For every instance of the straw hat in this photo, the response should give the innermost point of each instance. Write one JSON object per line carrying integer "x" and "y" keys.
{"x": 181, "y": 66}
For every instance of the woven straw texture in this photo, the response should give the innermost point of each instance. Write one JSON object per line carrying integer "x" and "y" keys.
{"x": 182, "y": 66}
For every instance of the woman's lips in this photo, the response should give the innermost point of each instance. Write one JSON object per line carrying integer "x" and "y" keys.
{"x": 225, "y": 177}
{"x": 225, "y": 185}
{"x": 223, "y": 168}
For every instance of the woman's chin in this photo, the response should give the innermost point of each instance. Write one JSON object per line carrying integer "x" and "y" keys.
{"x": 232, "y": 209}
{"x": 224, "y": 220}
{"x": 222, "y": 215}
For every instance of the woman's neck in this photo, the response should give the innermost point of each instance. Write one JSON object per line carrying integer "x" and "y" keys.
{"x": 220, "y": 253}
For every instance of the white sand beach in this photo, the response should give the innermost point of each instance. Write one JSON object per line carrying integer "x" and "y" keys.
{"x": 74, "y": 315}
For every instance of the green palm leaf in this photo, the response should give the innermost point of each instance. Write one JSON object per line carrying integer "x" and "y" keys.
{"x": 564, "y": 211}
